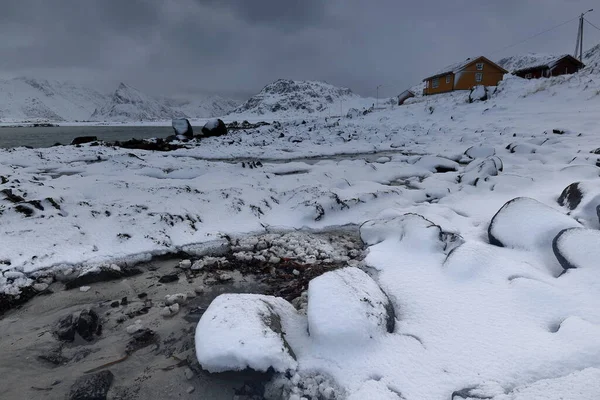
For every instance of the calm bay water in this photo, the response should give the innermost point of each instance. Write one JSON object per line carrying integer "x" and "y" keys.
{"x": 47, "y": 136}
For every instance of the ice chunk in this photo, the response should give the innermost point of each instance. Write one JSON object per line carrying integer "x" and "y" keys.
{"x": 347, "y": 305}
{"x": 240, "y": 331}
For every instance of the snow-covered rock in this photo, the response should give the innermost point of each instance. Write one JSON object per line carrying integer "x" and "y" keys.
{"x": 346, "y": 306}
{"x": 414, "y": 231}
{"x": 480, "y": 152}
{"x": 214, "y": 127}
{"x": 583, "y": 201}
{"x": 577, "y": 248}
{"x": 525, "y": 223}
{"x": 437, "y": 164}
{"x": 129, "y": 104}
{"x": 240, "y": 331}
{"x": 478, "y": 93}
{"x": 182, "y": 126}
{"x": 478, "y": 171}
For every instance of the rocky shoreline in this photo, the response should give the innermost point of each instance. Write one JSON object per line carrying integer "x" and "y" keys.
{"x": 122, "y": 332}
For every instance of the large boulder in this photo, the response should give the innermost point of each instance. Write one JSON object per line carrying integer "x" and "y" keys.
{"x": 479, "y": 93}
{"x": 240, "y": 331}
{"x": 214, "y": 127}
{"x": 577, "y": 248}
{"x": 525, "y": 223}
{"x": 347, "y": 305}
{"x": 182, "y": 127}
{"x": 582, "y": 199}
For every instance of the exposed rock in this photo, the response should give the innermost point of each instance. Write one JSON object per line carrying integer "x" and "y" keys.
{"x": 85, "y": 323}
{"x": 84, "y": 139}
{"x": 479, "y": 93}
{"x": 214, "y": 127}
{"x": 92, "y": 386}
{"x": 154, "y": 144}
{"x": 140, "y": 339}
{"x": 185, "y": 264}
{"x": 347, "y": 305}
{"x": 169, "y": 311}
{"x": 179, "y": 298}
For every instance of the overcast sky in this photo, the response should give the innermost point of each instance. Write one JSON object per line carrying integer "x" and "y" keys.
{"x": 235, "y": 47}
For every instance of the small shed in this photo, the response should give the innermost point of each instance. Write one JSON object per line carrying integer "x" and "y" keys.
{"x": 547, "y": 66}
{"x": 402, "y": 97}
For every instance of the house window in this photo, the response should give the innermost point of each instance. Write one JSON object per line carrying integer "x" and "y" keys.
{"x": 527, "y": 76}
{"x": 448, "y": 77}
{"x": 436, "y": 83}
{"x": 479, "y": 66}
{"x": 478, "y": 77}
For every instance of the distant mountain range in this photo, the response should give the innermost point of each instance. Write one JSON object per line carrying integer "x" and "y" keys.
{"x": 28, "y": 99}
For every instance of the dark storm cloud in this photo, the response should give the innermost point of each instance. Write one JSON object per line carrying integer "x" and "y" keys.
{"x": 234, "y": 47}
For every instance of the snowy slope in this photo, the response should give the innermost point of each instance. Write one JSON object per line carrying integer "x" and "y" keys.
{"x": 202, "y": 106}
{"x": 129, "y": 104}
{"x": 286, "y": 97}
{"x": 28, "y": 99}
{"x": 591, "y": 59}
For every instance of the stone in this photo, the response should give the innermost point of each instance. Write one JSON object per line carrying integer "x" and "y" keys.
{"x": 480, "y": 152}
{"x": 479, "y": 171}
{"x": 84, "y": 139}
{"x": 583, "y": 200}
{"x": 577, "y": 248}
{"x": 178, "y": 298}
{"x": 103, "y": 274}
{"x": 86, "y": 323}
{"x": 182, "y": 127}
{"x": 525, "y": 223}
{"x": 40, "y": 287}
{"x": 347, "y": 305}
{"x": 170, "y": 311}
{"x": 185, "y": 264}
{"x": 140, "y": 339}
{"x": 190, "y": 389}
{"x": 224, "y": 277}
{"x": 92, "y": 386}
{"x": 169, "y": 278}
{"x": 214, "y": 127}
{"x": 84, "y": 288}
{"x": 189, "y": 374}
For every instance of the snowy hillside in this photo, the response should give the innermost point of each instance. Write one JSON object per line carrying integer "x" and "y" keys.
{"x": 286, "y": 97}
{"x": 591, "y": 59}
{"x": 129, "y": 104}
{"x": 202, "y": 106}
{"x": 27, "y": 99}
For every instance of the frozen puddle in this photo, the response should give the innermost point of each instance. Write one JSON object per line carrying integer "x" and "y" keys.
{"x": 130, "y": 331}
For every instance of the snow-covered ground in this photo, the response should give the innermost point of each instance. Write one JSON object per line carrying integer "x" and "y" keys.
{"x": 476, "y": 310}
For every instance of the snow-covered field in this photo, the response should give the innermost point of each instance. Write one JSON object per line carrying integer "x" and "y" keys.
{"x": 451, "y": 306}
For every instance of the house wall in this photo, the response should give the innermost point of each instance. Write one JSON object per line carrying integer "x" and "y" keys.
{"x": 535, "y": 73}
{"x": 563, "y": 67}
{"x": 466, "y": 78}
{"x": 443, "y": 86}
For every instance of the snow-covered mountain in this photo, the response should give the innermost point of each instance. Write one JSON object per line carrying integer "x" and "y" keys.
{"x": 202, "y": 106}
{"x": 288, "y": 97}
{"x": 129, "y": 104}
{"x": 28, "y": 99}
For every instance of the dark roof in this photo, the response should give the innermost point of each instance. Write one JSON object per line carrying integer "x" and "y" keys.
{"x": 549, "y": 63}
{"x": 457, "y": 67}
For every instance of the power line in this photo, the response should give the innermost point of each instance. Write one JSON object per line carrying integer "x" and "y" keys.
{"x": 536, "y": 35}
{"x": 591, "y": 24}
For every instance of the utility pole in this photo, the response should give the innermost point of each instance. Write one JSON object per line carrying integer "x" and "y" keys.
{"x": 579, "y": 43}
{"x": 377, "y": 104}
